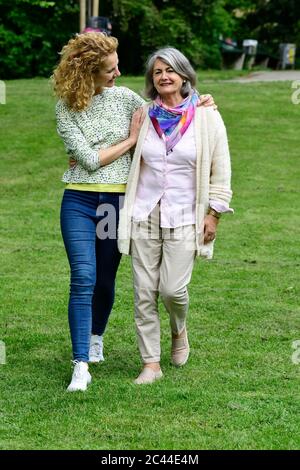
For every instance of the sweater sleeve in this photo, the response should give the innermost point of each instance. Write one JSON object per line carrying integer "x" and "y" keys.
{"x": 133, "y": 100}
{"x": 220, "y": 174}
{"x": 75, "y": 142}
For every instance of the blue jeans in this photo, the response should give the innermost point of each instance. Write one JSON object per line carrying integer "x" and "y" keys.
{"x": 89, "y": 222}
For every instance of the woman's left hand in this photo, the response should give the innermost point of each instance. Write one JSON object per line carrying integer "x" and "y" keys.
{"x": 207, "y": 100}
{"x": 210, "y": 228}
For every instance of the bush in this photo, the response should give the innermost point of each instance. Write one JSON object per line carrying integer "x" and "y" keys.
{"x": 35, "y": 30}
{"x": 34, "y": 33}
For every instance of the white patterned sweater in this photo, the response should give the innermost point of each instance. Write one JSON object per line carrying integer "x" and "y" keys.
{"x": 104, "y": 123}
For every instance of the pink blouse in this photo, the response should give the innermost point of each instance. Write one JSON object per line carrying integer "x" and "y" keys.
{"x": 169, "y": 179}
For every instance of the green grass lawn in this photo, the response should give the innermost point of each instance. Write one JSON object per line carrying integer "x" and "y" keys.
{"x": 240, "y": 388}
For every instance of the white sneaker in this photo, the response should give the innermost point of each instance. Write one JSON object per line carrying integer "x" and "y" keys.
{"x": 96, "y": 349}
{"x": 81, "y": 377}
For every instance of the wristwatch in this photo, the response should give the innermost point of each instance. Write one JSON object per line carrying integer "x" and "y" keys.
{"x": 214, "y": 213}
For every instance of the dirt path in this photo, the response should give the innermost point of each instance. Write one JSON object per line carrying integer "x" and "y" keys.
{"x": 273, "y": 76}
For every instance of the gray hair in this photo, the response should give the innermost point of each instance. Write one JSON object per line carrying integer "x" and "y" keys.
{"x": 179, "y": 63}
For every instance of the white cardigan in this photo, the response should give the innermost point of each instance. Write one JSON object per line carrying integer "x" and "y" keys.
{"x": 212, "y": 179}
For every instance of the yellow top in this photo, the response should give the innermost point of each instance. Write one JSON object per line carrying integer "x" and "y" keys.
{"x": 97, "y": 187}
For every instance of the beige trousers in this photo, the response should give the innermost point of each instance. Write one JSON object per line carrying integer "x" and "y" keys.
{"x": 162, "y": 263}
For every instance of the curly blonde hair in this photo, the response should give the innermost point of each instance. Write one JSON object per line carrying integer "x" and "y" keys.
{"x": 81, "y": 58}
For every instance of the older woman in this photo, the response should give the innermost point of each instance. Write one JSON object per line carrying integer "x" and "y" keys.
{"x": 178, "y": 186}
{"x": 94, "y": 120}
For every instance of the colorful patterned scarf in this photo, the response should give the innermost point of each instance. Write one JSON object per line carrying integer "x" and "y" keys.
{"x": 171, "y": 123}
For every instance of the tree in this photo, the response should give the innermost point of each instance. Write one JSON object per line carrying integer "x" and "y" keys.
{"x": 33, "y": 34}
{"x": 193, "y": 27}
{"x": 35, "y": 31}
{"x": 269, "y": 21}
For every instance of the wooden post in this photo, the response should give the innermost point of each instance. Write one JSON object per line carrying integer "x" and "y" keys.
{"x": 89, "y": 8}
{"x": 82, "y": 23}
{"x": 96, "y": 8}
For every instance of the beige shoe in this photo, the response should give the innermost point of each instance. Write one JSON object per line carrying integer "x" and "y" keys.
{"x": 148, "y": 376}
{"x": 180, "y": 350}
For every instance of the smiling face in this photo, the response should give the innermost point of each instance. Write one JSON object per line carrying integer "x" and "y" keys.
{"x": 108, "y": 73}
{"x": 166, "y": 81}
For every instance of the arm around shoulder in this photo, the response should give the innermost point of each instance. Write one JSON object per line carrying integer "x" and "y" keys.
{"x": 74, "y": 140}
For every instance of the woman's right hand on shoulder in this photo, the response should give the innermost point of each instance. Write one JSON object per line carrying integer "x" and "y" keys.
{"x": 72, "y": 162}
{"x": 136, "y": 124}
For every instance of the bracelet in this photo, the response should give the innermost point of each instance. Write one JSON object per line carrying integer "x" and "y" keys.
{"x": 214, "y": 213}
